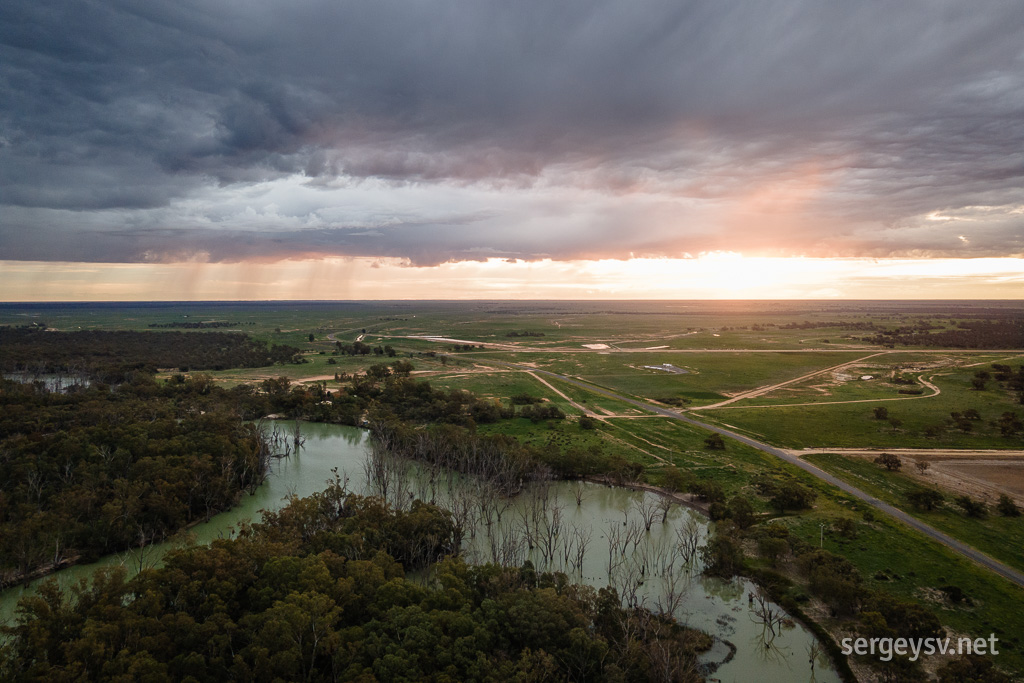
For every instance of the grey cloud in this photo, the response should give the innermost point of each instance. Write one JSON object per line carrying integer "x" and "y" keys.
{"x": 121, "y": 111}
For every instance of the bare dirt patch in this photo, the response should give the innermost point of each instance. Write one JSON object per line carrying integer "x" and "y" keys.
{"x": 981, "y": 474}
{"x": 1000, "y": 475}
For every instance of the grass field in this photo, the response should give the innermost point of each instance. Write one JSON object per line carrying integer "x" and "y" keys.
{"x": 853, "y": 425}
{"x": 903, "y": 562}
{"x": 998, "y": 536}
{"x": 709, "y": 377}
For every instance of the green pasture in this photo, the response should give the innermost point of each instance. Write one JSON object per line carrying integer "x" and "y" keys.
{"x": 998, "y": 536}
{"x": 596, "y": 402}
{"x": 499, "y": 384}
{"x": 894, "y": 558}
{"x": 853, "y": 425}
{"x": 846, "y": 384}
{"x": 710, "y": 377}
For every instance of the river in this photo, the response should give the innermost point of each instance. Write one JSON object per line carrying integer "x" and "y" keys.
{"x": 582, "y": 529}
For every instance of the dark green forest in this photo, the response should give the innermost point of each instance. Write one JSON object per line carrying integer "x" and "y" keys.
{"x": 319, "y": 592}
{"x": 100, "y": 470}
{"x": 111, "y": 356}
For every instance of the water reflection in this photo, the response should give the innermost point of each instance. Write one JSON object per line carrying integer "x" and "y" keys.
{"x": 598, "y": 535}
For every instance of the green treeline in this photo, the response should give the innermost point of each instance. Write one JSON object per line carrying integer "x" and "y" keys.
{"x": 318, "y": 592}
{"x": 111, "y": 356}
{"x": 971, "y": 334}
{"x": 96, "y": 471}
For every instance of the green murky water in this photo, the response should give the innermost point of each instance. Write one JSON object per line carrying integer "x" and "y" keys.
{"x": 596, "y": 534}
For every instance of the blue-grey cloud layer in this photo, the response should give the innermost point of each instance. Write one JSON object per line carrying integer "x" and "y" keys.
{"x": 148, "y": 130}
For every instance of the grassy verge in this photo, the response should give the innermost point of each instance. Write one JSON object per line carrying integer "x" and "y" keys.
{"x": 997, "y": 536}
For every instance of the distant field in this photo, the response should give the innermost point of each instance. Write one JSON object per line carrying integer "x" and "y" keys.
{"x": 853, "y": 425}
{"x": 500, "y": 384}
{"x": 598, "y": 403}
{"x": 710, "y": 377}
{"x": 873, "y": 379}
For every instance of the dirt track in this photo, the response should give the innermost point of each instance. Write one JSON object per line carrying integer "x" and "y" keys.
{"x": 930, "y": 454}
{"x": 767, "y": 389}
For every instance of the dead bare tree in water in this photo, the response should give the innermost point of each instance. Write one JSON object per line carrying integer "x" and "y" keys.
{"x": 387, "y": 476}
{"x": 628, "y": 580}
{"x": 583, "y": 536}
{"x": 548, "y": 535}
{"x": 814, "y": 651}
{"x": 614, "y": 536}
{"x": 665, "y": 505}
{"x": 688, "y": 540}
{"x": 648, "y": 508}
{"x": 578, "y": 493}
{"x": 507, "y": 547}
{"x": 575, "y": 547}
{"x": 673, "y": 592}
{"x": 771, "y": 617}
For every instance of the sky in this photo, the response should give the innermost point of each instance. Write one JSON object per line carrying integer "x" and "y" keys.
{"x": 333, "y": 149}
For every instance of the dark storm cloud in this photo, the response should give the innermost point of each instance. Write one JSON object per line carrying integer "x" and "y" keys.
{"x": 681, "y": 116}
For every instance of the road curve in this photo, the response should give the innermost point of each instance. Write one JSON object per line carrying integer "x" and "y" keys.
{"x": 967, "y": 551}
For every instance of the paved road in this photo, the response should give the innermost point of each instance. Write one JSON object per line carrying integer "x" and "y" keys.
{"x": 967, "y": 551}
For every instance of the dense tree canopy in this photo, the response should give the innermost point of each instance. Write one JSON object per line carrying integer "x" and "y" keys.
{"x": 99, "y": 470}
{"x": 318, "y": 592}
{"x": 111, "y": 355}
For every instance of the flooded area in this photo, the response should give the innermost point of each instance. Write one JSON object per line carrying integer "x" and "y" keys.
{"x": 598, "y": 535}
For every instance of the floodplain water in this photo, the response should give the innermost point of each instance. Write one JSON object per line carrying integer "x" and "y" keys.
{"x": 596, "y": 534}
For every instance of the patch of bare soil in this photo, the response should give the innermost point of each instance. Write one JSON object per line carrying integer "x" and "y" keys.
{"x": 999, "y": 476}
{"x": 983, "y": 474}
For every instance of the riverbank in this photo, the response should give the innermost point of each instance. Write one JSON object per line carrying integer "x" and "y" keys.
{"x": 713, "y": 606}
{"x": 9, "y": 580}
{"x": 767, "y": 580}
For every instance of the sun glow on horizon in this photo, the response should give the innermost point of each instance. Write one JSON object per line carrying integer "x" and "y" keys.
{"x": 712, "y": 275}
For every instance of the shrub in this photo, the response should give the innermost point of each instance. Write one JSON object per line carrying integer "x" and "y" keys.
{"x": 1006, "y": 506}
{"x": 889, "y": 461}
{"x": 715, "y": 442}
{"x": 973, "y": 508}
{"x": 925, "y": 499}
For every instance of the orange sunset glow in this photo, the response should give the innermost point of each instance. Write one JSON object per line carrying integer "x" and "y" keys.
{"x": 721, "y": 275}
{"x": 599, "y": 152}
